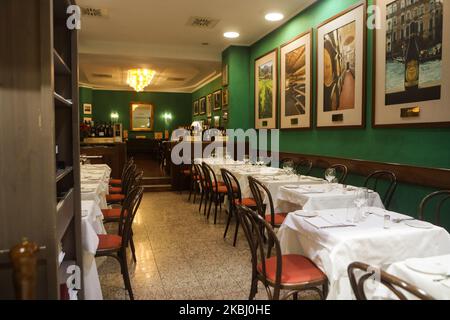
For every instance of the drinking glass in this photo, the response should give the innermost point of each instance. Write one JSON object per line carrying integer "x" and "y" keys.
{"x": 330, "y": 174}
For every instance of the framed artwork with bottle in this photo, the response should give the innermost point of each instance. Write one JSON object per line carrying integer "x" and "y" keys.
{"x": 411, "y": 89}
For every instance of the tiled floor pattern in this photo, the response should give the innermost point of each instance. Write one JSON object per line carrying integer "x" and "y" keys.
{"x": 180, "y": 255}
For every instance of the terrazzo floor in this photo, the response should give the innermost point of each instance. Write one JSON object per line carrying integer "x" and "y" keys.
{"x": 180, "y": 255}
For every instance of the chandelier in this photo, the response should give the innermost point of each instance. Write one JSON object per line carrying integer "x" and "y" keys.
{"x": 138, "y": 79}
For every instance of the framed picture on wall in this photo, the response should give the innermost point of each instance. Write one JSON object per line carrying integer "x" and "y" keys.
{"x": 225, "y": 75}
{"x": 410, "y": 88}
{"x": 217, "y": 100}
{"x": 341, "y": 69}
{"x": 209, "y": 104}
{"x": 87, "y": 108}
{"x": 195, "y": 108}
{"x": 266, "y": 91}
{"x": 202, "y": 105}
{"x": 225, "y": 98}
{"x": 296, "y": 82}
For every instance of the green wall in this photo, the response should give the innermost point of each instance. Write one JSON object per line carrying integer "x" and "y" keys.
{"x": 106, "y": 101}
{"x": 420, "y": 147}
{"x": 208, "y": 88}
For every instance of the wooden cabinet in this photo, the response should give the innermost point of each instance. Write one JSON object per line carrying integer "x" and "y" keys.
{"x": 39, "y": 139}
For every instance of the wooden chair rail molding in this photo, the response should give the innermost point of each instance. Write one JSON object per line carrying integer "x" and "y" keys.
{"x": 428, "y": 177}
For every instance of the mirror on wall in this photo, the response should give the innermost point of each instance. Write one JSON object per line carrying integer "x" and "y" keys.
{"x": 142, "y": 116}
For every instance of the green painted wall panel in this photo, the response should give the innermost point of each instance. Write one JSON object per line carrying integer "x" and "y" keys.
{"x": 208, "y": 88}
{"x": 106, "y": 101}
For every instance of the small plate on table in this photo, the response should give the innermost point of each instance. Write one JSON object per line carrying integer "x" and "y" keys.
{"x": 428, "y": 266}
{"x": 306, "y": 214}
{"x": 419, "y": 224}
{"x": 290, "y": 186}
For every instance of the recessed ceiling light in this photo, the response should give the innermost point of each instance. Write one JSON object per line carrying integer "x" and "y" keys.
{"x": 231, "y": 35}
{"x": 274, "y": 16}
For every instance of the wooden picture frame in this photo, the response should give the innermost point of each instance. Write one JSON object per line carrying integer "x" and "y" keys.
{"x": 87, "y": 108}
{"x": 139, "y": 113}
{"x": 202, "y": 106}
{"x": 341, "y": 69}
{"x": 217, "y": 100}
{"x": 296, "y": 82}
{"x": 225, "y": 98}
{"x": 195, "y": 108}
{"x": 418, "y": 102}
{"x": 266, "y": 90}
{"x": 209, "y": 104}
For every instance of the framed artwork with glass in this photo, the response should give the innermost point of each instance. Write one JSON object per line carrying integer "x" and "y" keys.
{"x": 296, "y": 82}
{"x": 202, "y": 105}
{"x": 142, "y": 116}
{"x": 266, "y": 78}
{"x": 341, "y": 42}
{"x": 195, "y": 108}
{"x": 411, "y": 89}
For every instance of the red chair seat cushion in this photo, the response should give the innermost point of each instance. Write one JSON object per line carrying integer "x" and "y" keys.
{"x": 221, "y": 189}
{"x": 115, "y": 181}
{"x": 279, "y": 218}
{"x": 294, "y": 269}
{"x": 109, "y": 242}
{"x": 115, "y": 189}
{"x": 112, "y": 213}
{"x": 187, "y": 172}
{"x": 248, "y": 202}
{"x": 115, "y": 197}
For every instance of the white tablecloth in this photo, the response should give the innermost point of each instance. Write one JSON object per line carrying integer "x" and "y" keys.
{"x": 437, "y": 289}
{"x": 95, "y": 183}
{"x": 321, "y": 197}
{"x": 334, "y": 249}
{"x": 91, "y": 226}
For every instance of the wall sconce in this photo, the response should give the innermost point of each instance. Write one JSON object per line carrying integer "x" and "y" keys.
{"x": 167, "y": 116}
{"x": 114, "y": 116}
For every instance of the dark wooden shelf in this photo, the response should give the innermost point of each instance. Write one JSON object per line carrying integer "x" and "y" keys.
{"x": 61, "y": 67}
{"x": 61, "y": 101}
{"x": 61, "y": 173}
{"x": 65, "y": 214}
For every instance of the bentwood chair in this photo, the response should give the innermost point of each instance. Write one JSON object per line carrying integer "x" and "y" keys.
{"x": 202, "y": 183}
{"x": 341, "y": 172}
{"x": 117, "y": 183}
{"x": 303, "y": 166}
{"x": 217, "y": 190}
{"x": 114, "y": 214}
{"x": 234, "y": 199}
{"x": 117, "y": 198}
{"x": 439, "y": 198}
{"x": 396, "y": 285}
{"x": 115, "y": 245}
{"x": 294, "y": 273}
{"x": 389, "y": 184}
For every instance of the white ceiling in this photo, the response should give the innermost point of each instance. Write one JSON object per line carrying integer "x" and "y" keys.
{"x": 156, "y": 34}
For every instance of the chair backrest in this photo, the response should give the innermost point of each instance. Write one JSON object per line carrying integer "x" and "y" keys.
{"x": 126, "y": 220}
{"x": 396, "y": 285}
{"x": 233, "y": 188}
{"x": 341, "y": 172}
{"x": 198, "y": 171}
{"x": 303, "y": 166}
{"x": 255, "y": 227}
{"x": 210, "y": 176}
{"x": 126, "y": 168}
{"x": 128, "y": 180}
{"x": 373, "y": 182}
{"x": 439, "y": 198}
{"x": 260, "y": 193}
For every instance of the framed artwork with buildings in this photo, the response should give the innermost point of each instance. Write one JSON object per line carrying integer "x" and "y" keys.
{"x": 412, "y": 48}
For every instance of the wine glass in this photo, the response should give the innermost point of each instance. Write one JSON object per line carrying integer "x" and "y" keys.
{"x": 330, "y": 175}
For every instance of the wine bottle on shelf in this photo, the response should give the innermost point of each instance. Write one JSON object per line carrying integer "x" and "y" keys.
{"x": 412, "y": 61}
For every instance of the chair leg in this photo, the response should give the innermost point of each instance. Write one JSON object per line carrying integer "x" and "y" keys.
{"x": 126, "y": 275}
{"x": 195, "y": 192}
{"x": 325, "y": 290}
{"x": 216, "y": 204}
{"x": 201, "y": 201}
{"x": 228, "y": 224}
{"x": 236, "y": 232}
{"x": 295, "y": 296}
{"x": 253, "y": 289}
{"x": 212, "y": 198}
{"x": 133, "y": 250}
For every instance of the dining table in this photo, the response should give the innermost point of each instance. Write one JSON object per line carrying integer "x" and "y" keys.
{"x": 91, "y": 226}
{"x": 430, "y": 274}
{"x": 95, "y": 183}
{"x": 334, "y": 238}
{"x": 323, "y": 196}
